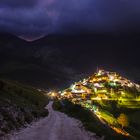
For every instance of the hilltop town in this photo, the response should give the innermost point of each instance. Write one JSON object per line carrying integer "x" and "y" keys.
{"x": 105, "y": 94}
{"x": 102, "y": 85}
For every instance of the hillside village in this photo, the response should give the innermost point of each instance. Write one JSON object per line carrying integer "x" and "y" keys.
{"x": 102, "y": 85}
{"x": 104, "y": 93}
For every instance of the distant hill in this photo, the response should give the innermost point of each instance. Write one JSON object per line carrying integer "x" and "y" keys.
{"x": 55, "y": 61}
{"x": 19, "y": 105}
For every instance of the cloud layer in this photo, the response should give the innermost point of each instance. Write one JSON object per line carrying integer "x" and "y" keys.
{"x": 18, "y": 3}
{"x": 41, "y": 17}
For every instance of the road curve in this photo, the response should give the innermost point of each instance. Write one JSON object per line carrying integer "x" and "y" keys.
{"x": 57, "y": 126}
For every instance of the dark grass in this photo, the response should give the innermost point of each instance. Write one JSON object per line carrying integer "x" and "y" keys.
{"x": 25, "y": 101}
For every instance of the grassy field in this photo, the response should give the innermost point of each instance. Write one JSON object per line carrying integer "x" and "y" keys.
{"x": 19, "y": 104}
{"x": 111, "y": 111}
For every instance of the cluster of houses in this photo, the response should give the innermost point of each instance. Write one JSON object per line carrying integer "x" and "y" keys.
{"x": 103, "y": 85}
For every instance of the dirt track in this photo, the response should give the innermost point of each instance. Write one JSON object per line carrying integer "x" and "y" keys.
{"x": 57, "y": 126}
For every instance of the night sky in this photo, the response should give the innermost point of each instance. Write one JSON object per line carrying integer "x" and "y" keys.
{"x": 35, "y": 18}
{"x": 86, "y": 33}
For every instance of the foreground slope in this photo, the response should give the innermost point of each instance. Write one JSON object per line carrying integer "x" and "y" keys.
{"x": 19, "y": 105}
{"x": 57, "y": 126}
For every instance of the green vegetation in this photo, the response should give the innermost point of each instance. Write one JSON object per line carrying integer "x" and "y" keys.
{"x": 19, "y": 104}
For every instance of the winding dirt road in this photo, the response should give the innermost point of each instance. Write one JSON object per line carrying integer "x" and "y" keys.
{"x": 57, "y": 126}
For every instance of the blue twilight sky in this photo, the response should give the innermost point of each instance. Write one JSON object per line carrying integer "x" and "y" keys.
{"x": 34, "y": 18}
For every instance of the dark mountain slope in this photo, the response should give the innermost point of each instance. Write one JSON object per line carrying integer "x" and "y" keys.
{"x": 58, "y": 60}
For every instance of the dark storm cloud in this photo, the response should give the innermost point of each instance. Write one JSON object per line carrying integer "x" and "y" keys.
{"x": 17, "y": 3}
{"x": 25, "y": 22}
{"x": 101, "y": 14}
{"x": 38, "y": 17}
